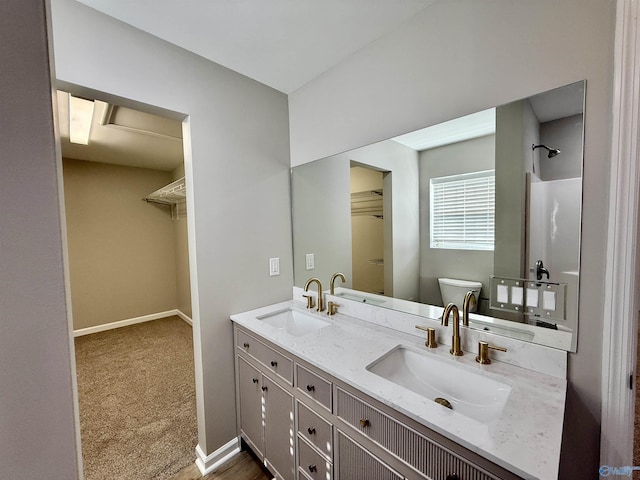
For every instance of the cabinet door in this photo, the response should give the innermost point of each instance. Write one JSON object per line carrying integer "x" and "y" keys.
{"x": 250, "y": 383}
{"x": 279, "y": 434}
{"x": 354, "y": 463}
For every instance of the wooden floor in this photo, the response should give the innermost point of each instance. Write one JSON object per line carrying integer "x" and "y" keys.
{"x": 243, "y": 466}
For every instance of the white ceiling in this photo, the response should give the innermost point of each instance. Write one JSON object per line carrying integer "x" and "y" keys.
{"x": 457, "y": 130}
{"x": 281, "y": 43}
{"x": 123, "y": 136}
{"x": 547, "y": 106}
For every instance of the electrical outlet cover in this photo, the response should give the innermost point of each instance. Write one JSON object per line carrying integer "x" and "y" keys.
{"x": 311, "y": 263}
{"x": 274, "y": 266}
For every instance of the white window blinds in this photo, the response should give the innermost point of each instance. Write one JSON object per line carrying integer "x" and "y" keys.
{"x": 463, "y": 211}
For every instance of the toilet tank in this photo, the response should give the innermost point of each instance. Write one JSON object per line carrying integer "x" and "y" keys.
{"x": 453, "y": 290}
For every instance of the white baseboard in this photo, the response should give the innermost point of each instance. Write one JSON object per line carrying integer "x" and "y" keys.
{"x": 184, "y": 317}
{"x": 208, "y": 463}
{"x": 131, "y": 321}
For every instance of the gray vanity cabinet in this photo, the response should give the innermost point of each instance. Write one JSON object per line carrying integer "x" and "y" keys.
{"x": 265, "y": 408}
{"x": 250, "y": 405}
{"x": 404, "y": 440}
{"x": 278, "y": 429}
{"x": 337, "y": 432}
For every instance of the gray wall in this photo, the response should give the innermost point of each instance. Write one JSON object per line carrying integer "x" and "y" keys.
{"x": 517, "y": 129}
{"x": 237, "y": 168}
{"x": 322, "y": 215}
{"x": 322, "y": 219}
{"x": 37, "y": 404}
{"x": 501, "y": 54}
{"x": 462, "y": 157}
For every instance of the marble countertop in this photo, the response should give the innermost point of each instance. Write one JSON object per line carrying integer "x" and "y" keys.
{"x": 525, "y": 439}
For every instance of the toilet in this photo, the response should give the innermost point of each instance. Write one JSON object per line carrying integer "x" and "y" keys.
{"x": 453, "y": 291}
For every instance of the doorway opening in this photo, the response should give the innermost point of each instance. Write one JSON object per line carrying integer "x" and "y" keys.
{"x": 368, "y": 229}
{"x": 130, "y": 286}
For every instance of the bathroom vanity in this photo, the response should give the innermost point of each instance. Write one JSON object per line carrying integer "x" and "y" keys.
{"x": 337, "y": 397}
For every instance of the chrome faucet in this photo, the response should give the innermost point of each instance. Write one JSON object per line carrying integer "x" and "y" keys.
{"x": 469, "y": 299}
{"x": 455, "y": 343}
{"x": 306, "y": 289}
{"x": 333, "y": 279}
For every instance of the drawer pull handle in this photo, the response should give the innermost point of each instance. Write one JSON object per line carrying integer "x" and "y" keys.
{"x": 310, "y": 388}
{"x": 311, "y": 430}
{"x": 364, "y": 422}
{"x": 313, "y": 468}
{"x": 255, "y": 380}
{"x": 264, "y": 389}
{"x": 245, "y": 345}
{"x": 274, "y": 363}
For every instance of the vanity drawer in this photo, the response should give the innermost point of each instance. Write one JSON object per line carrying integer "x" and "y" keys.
{"x": 314, "y": 465}
{"x": 273, "y": 360}
{"x": 314, "y": 386}
{"x": 424, "y": 455}
{"x": 353, "y": 462}
{"x": 315, "y": 430}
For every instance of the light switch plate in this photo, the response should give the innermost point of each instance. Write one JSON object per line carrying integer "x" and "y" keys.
{"x": 274, "y": 266}
{"x": 311, "y": 263}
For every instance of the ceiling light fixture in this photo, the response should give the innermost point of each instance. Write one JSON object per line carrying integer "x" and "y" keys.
{"x": 80, "y": 118}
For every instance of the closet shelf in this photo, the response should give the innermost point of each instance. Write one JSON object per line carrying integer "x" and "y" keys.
{"x": 366, "y": 196}
{"x": 368, "y": 202}
{"x": 172, "y": 194}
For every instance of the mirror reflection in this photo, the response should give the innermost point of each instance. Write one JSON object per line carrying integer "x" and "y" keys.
{"x": 424, "y": 217}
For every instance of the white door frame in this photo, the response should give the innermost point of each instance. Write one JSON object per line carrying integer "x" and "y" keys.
{"x": 621, "y": 300}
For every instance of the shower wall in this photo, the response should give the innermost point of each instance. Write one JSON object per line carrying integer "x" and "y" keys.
{"x": 555, "y": 225}
{"x": 554, "y": 238}
{"x": 565, "y": 134}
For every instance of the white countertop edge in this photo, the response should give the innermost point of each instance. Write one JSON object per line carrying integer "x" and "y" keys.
{"x": 348, "y": 345}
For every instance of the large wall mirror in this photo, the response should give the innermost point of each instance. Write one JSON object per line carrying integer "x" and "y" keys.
{"x": 374, "y": 213}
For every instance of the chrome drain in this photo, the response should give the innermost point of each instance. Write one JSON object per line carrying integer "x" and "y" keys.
{"x": 444, "y": 402}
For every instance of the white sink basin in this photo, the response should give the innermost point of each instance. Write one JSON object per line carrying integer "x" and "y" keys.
{"x": 469, "y": 393}
{"x": 502, "y": 330}
{"x": 361, "y": 298}
{"x": 293, "y": 322}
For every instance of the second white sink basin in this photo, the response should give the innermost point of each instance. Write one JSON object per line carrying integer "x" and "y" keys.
{"x": 294, "y": 322}
{"x": 502, "y": 330}
{"x": 361, "y": 298}
{"x": 469, "y": 393}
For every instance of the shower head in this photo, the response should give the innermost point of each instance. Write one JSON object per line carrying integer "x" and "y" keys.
{"x": 552, "y": 151}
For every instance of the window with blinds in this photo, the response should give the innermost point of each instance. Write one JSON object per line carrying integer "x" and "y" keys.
{"x": 463, "y": 211}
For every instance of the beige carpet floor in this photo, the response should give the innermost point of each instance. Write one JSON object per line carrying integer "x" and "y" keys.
{"x": 137, "y": 400}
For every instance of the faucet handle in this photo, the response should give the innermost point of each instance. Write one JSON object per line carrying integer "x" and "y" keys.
{"x": 332, "y": 308}
{"x": 310, "y": 303}
{"x": 431, "y": 336}
{"x": 483, "y": 352}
